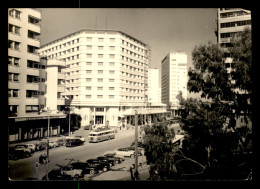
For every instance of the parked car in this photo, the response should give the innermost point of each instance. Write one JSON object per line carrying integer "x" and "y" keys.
{"x": 55, "y": 174}
{"x": 87, "y": 127}
{"x": 111, "y": 161}
{"x": 32, "y": 146}
{"x": 113, "y": 153}
{"x": 74, "y": 142}
{"x": 53, "y": 144}
{"x": 41, "y": 146}
{"x": 127, "y": 152}
{"x": 21, "y": 151}
{"x": 80, "y": 137}
{"x": 100, "y": 165}
{"x": 61, "y": 142}
{"x": 74, "y": 173}
{"x": 112, "y": 156}
{"x": 85, "y": 167}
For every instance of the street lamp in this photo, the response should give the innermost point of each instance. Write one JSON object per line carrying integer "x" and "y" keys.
{"x": 67, "y": 107}
{"x": 136, "y": 144}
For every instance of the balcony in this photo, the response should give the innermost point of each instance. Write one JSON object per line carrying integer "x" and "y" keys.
{"x": 33, "y": 71}
{"x": 61, "y": 75}
{"x": 61, "y": 88}
{"x": 32, "y": 101}
{"x": 32, "y": 86}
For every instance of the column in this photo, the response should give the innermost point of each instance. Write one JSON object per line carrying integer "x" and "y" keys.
{"x": 41, "y": 132}
{"x": 94, "y": 121}
{"x": 50, "y": 131}
{"x": 104, "y": 117}
{"x": 58, "y": 131}
{"x": 20, "y": 134}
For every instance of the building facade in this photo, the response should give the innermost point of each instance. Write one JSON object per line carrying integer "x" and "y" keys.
{"x": 230, "y": 22}
{"x": 174, "y": 78}
{"x": 106, "y": 74}
{"x": 154, "y": 89}
{"x": 27, "y": 79}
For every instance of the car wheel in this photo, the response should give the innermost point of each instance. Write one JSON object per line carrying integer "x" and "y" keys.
{"x": 104, "y": 169}
{"x": 117, "y": 162}
{"x": 91, "y": 172}
{"x": 76, "y": 176}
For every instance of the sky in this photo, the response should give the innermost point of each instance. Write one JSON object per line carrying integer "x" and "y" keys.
{"x": 163, "y": 29}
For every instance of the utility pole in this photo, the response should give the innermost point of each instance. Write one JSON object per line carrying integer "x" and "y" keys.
{"x": 136, "y": 144}
{"x": 69, "y": 122}
{"x": 48, "y": 146}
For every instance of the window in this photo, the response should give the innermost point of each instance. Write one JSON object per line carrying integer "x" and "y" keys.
{"x": 88, "y": 71}
{"x": 13, "y": 92}
{"x": 14, "y": 13}
{"x": 14, "y": 29}
{"x": 31, "y": 49}
{"x": 88, "y": 96}
{"x": 89, "y": 47}
{"x": 111, "y": 80}
{"x": 13, "y": 77}
{"x": 111, "y": 64}
{"x": 100, "y": 48}
{"x": 12, "y": 109}
{"x": 112, "y": 48}
{"x": 88, "y": 79}
{"x": 111, "y": 72}
{"x": 100, "y": 71}
{"x": 100, "y": 79}
{"x": 88, "y": 88}
{"x": 227, "y": 25}
{"x": 89, "y": 39}
{"x": 13, "y": 45}
{"x": 111, "y": 88}
{"x": 100, "y": 55}
{"x": 33, "y": 20}
{"x": 100, "y": 39}
{"x": 32, "y": 35}
{"x": 100, "y": 88}
{"x": 88, "y": 63}
{"x": 112, "y": 56}
{"x": 99, "y": 109}
{"x": 112, "y": 39}
{"x": 13, "y": 61}
{"x": 100, "y": 63}
{"x": 31, "y": 108}
{"x": 89, "y": 55}
{"x": 99, "y": 96}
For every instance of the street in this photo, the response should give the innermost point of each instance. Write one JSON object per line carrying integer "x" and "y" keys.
{"x": 23, "y": 169}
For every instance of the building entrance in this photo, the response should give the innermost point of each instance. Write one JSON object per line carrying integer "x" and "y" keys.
{"x": 99, "y": 120}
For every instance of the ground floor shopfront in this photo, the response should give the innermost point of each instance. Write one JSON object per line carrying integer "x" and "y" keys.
{"x": 35, "y": 127}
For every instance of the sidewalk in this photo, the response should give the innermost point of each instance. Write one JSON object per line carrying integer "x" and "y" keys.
{"x": 122, "y": 171}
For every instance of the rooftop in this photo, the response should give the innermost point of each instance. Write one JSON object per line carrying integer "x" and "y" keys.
{"x": 95, "y": 30}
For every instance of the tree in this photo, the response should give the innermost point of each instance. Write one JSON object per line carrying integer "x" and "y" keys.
{"x": 158, "y": 149}
{"x": 225, "y": 96}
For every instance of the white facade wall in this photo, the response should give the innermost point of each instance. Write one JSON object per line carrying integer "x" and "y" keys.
{"x": 154, "y": 92}
{"x": 174, "y": 77}
{"x": 105, "y": 69}
{"x": 18, "y": 27}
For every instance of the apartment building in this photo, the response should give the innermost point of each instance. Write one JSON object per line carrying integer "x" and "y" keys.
{"x": 230, "y": 22}
{"x": 27, "y": 77}
{"x": 106, "y": 74}
{"x": 174, "y": 78}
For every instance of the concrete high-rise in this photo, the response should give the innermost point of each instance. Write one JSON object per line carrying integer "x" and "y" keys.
{"x": 106, "y": 74}
{"x": 174, "y": 79}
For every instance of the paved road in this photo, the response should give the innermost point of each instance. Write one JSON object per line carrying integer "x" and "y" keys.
{"x": 25, "y": 168}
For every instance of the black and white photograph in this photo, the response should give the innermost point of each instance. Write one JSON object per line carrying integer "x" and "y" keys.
{"x": 130, "y": 94}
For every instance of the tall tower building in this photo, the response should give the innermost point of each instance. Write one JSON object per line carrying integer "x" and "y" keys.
{"x": 174, "y": 79}
{"x": 230, "y": 22}
{"x": 25, "y": 82}
{"x": 106, "y": 74}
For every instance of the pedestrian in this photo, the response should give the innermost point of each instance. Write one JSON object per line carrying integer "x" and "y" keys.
{"x": 132, "y": 174}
